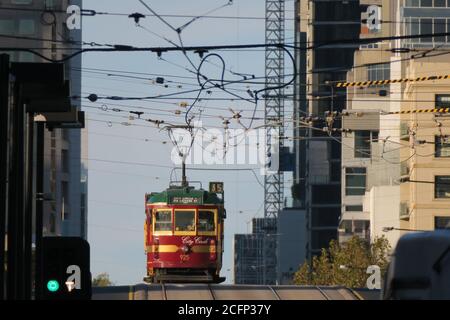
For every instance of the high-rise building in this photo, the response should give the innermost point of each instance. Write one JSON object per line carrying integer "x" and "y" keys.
{"x": 395, "y": 157}
{"x": 318, "y": 157}
{"x": 41, "y": 25}
{"x": 251, "y": 266}
{"x": 291, "y": 244}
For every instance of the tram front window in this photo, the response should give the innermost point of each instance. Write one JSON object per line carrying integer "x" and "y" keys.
{"x": 206, "y": 221}
{"x": 163, "y": 220}
{"x": 185, "y": 220}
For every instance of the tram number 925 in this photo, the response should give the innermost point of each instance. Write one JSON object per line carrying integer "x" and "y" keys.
{"x": 246, "y": 309}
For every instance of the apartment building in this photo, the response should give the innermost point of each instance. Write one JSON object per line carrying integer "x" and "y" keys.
{"x": 395, "y": 161}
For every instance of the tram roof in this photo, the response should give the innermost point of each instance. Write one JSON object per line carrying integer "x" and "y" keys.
{"x": 184, "y": 196}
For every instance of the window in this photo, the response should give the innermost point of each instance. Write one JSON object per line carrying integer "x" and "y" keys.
{"x": 439, "y": 26}
{"x": 7, "y": 27}
{"x": 369, "y": 46}
{"x": 361, "y": 228}
{"x": 442, "y": 101}
{"x": 50, "y": 4}
{"x": 325, "y": 217}
{"x": 427, "y": 3}
{"x": 206, "y": 221}
{"x": 163, "y": 220}
{"x": 427, "y": 25}
{"x": 346, "y": 227}
{"x": 442, "y": 187}
{"x": 357, "y": 208}
{"x": 440, "y": 3}
{"x": 21, "y": 1}
{"x": 185, "y": 220}
{"x": 65, "y": 192}
{"x": 26, "y": 57}
{"x": 65, "y": 161}
{"x": 65, "y": 215}
{"x": 355, "y": 181}
{"x": 441, "y": 223}
{"x": 379, "y": 72}
{"x": 335, "y": 174}
{"x": 52, "y": 222}
{"x": 442, "y": 145}
{"x": 363, "y": 141}
{"x": 27, "y": 26}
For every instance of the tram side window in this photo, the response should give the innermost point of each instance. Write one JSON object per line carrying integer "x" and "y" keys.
{"x": 206, "y": 221}
{"x": 163, "y": 220}
{"x": 184, "y": 220}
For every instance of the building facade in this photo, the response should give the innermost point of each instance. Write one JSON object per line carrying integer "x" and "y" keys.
{"x": 395, "y": 157}
{"x": 251, "y": 265}
{"x": 318, "y": 156}
{"x": 291, "y": 244}
{"x": 41, "y": 25}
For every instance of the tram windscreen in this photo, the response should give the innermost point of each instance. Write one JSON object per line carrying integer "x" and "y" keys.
{"x": 206, "y": 221}
{"x": 163, "y": 220}
{"x": 184, "y": 220}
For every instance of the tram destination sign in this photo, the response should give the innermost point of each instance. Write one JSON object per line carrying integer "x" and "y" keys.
{"x": 186, "y": 200}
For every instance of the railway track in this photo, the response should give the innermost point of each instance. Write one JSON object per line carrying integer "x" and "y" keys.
{"x": 229, "y": 292}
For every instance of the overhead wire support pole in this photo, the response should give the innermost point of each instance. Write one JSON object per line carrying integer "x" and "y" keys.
{"x": 274, "y": 109}
{"x": 4, "y": 164}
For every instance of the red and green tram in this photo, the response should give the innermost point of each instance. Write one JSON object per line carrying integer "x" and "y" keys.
{"x": 184, "y": 235}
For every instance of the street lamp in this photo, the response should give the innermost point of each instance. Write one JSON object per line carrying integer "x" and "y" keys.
{"x": 388, "y": 229}
{"x": 408, "y": 179}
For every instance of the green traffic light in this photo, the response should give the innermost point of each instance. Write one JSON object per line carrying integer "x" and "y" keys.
{"x": 53, "y": 286}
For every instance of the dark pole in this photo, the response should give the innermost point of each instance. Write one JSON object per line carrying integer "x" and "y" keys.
{"x": 39, "y": 207}
{"x": 16, "y": 252}
{"x": 184, "y": 182}
{"x": 13, "y": 247}
{"x": 4, "y": 153}
{"x": 29, "y": 208}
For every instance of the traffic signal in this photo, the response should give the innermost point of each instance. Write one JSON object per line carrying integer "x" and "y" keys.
{"x": 66, "y": 269}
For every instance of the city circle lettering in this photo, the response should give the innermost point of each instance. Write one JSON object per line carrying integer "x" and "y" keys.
{"x": 191, "y": 241}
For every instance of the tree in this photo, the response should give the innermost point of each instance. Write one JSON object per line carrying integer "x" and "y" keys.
{"x": 345, "y": 264}
{"x": 102, "y": 280}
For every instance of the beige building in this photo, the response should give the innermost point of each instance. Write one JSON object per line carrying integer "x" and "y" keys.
{"x": 382, "y": 149}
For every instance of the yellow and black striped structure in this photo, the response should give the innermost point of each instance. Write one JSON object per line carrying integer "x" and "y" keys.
{"x": 389, "y": 81}
{"x": 436, "y": 110}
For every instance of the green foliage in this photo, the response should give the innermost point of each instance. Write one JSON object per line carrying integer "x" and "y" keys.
{"x": 345, "y": 264}
{"x": 102, "y": 280}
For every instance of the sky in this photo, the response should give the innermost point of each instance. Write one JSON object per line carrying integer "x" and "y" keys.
{"x": 128, "y": 158}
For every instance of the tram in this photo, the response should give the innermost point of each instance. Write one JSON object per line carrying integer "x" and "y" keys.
{"x": 184, "y": 230}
